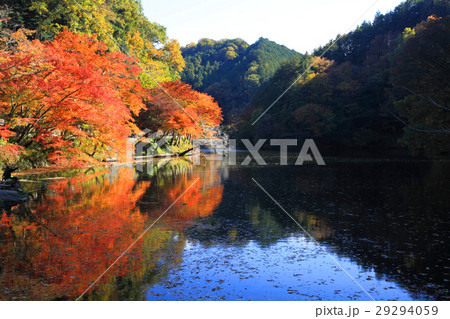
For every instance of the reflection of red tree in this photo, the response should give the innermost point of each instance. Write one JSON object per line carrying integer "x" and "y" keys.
{"x": 5, "y": 220}
{"x": 199, "y": 201}
{"x": 94, "y": 222}
{"x": 95, "y": 218}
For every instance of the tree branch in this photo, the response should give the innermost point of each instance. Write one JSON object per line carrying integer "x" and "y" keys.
{"x": 427, "y": 99}
{"x": 446, "y": 131}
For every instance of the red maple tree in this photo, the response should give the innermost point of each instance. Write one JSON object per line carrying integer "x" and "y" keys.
{"x": 70, "y": 97}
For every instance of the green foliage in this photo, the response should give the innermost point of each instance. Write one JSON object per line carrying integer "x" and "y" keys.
{"x": 422, "y": 86}
{"x": 123, "y": 20}
{"x": 376, "y": 80}
{"x": 355, "y": 45}
{"x": 231, "y": 70}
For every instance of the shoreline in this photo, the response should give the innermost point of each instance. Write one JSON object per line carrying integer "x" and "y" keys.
{"x": 53, "y": 169}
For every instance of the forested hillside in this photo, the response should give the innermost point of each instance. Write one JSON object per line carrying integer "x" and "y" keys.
{"x": 231, "y": 70}
{"x": 78, "y": 78}
{"x": 385, "y": 84}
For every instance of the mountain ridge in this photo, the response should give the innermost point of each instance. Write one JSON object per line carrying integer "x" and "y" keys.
{"x": 231, "y": 70}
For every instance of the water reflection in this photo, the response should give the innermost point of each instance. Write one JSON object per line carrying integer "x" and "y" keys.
{"x": 385, "y": 222}
{"x": 61, "y": 242}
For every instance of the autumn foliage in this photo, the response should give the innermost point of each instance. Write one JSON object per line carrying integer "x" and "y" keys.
{"x": 179, "y": 109}
{"x": 71, "y": 101}
{"x": 69, "y": 97}
{"x": 80, "y": 225}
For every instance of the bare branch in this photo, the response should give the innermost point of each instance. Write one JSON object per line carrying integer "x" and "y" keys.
{"x": 429, "y": 99}
{"x": 446, "y": 131}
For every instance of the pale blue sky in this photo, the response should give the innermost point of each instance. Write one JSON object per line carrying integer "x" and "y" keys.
{"x": 301, "y": 25}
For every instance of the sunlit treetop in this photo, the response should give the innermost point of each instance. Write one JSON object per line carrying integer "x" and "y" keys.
{"x": 120, "y": 24}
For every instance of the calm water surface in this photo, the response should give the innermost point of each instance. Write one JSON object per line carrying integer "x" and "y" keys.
{"x": 384, "y": 221}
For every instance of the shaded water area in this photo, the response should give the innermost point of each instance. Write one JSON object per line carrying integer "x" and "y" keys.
{"x": 384, "y": 221}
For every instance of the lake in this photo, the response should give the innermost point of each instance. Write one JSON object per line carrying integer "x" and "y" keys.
{"x": 355, "y": 229}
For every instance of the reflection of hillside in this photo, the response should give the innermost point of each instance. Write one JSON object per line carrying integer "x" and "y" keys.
{"x": 242, "y": 217}
{"x": 316, "y": 227}
{"x": 390, "y": 217}
{"x": 405, "y": 234}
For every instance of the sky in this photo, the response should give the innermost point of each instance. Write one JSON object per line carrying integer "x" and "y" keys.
{"x": 302, "y": 25}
